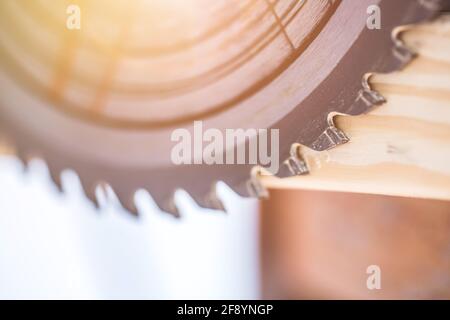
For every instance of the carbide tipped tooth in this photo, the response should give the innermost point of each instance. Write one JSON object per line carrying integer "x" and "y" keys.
{"x": 400, "y": 51}
{"x": 295, "y": 165}
{"x": 254, "y": 185}
{"x": 367, "y": 99}
{"x": 209, "y": 201}
{"x": 403, "y": 54}
{"x": 329, "y": 139}
{"x": 256, "y": 189}
{"x": 367, "y": 95}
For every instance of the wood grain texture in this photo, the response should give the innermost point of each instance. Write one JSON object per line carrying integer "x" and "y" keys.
{"x": 401, "y": 148}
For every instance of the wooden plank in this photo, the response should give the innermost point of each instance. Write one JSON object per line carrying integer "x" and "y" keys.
{"x": 401, "y": 148}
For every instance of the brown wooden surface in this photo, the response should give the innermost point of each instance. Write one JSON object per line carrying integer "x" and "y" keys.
{"x": 319, "y": 245}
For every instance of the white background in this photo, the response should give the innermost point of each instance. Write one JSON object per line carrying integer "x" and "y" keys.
{"x": 57, "y": 246}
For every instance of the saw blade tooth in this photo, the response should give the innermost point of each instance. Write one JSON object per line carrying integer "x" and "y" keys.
{"x": 400, "y": 51}
{"x": 294, "y": 165}
{"x": 92, "y": 197}
{"x": 214, "y": 201}
{"x": 169, "y": 205}
{"x": 23, "y": 157}
{"x": 366, "y": 99}
{"x": 146, "y": 204}
{"x": 55, "y": 176}
{"x": 130, "y": 206}
{"x": 89, "y": 190}
{"x": 209, "y": 199}
{"x": 123, "y": 197}
{"x": 240, "y": 189}
{"x": 256, "y": 189}
{"x": 368, "y": 95}
{"x": 330, "y": 138}
{"x": 238, "y": 186}
{"x": 101, "y": 192}
{"x": 249, "y": 188}
{"x": 164, "y": 200}
{"x": 254, "y": 186}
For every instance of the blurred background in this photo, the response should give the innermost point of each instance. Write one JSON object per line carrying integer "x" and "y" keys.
{"x": 320, "y": 245}
{"x": 57, "y": 246}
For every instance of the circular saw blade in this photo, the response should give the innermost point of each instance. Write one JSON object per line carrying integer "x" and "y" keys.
{"x": 104, "y": 100}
